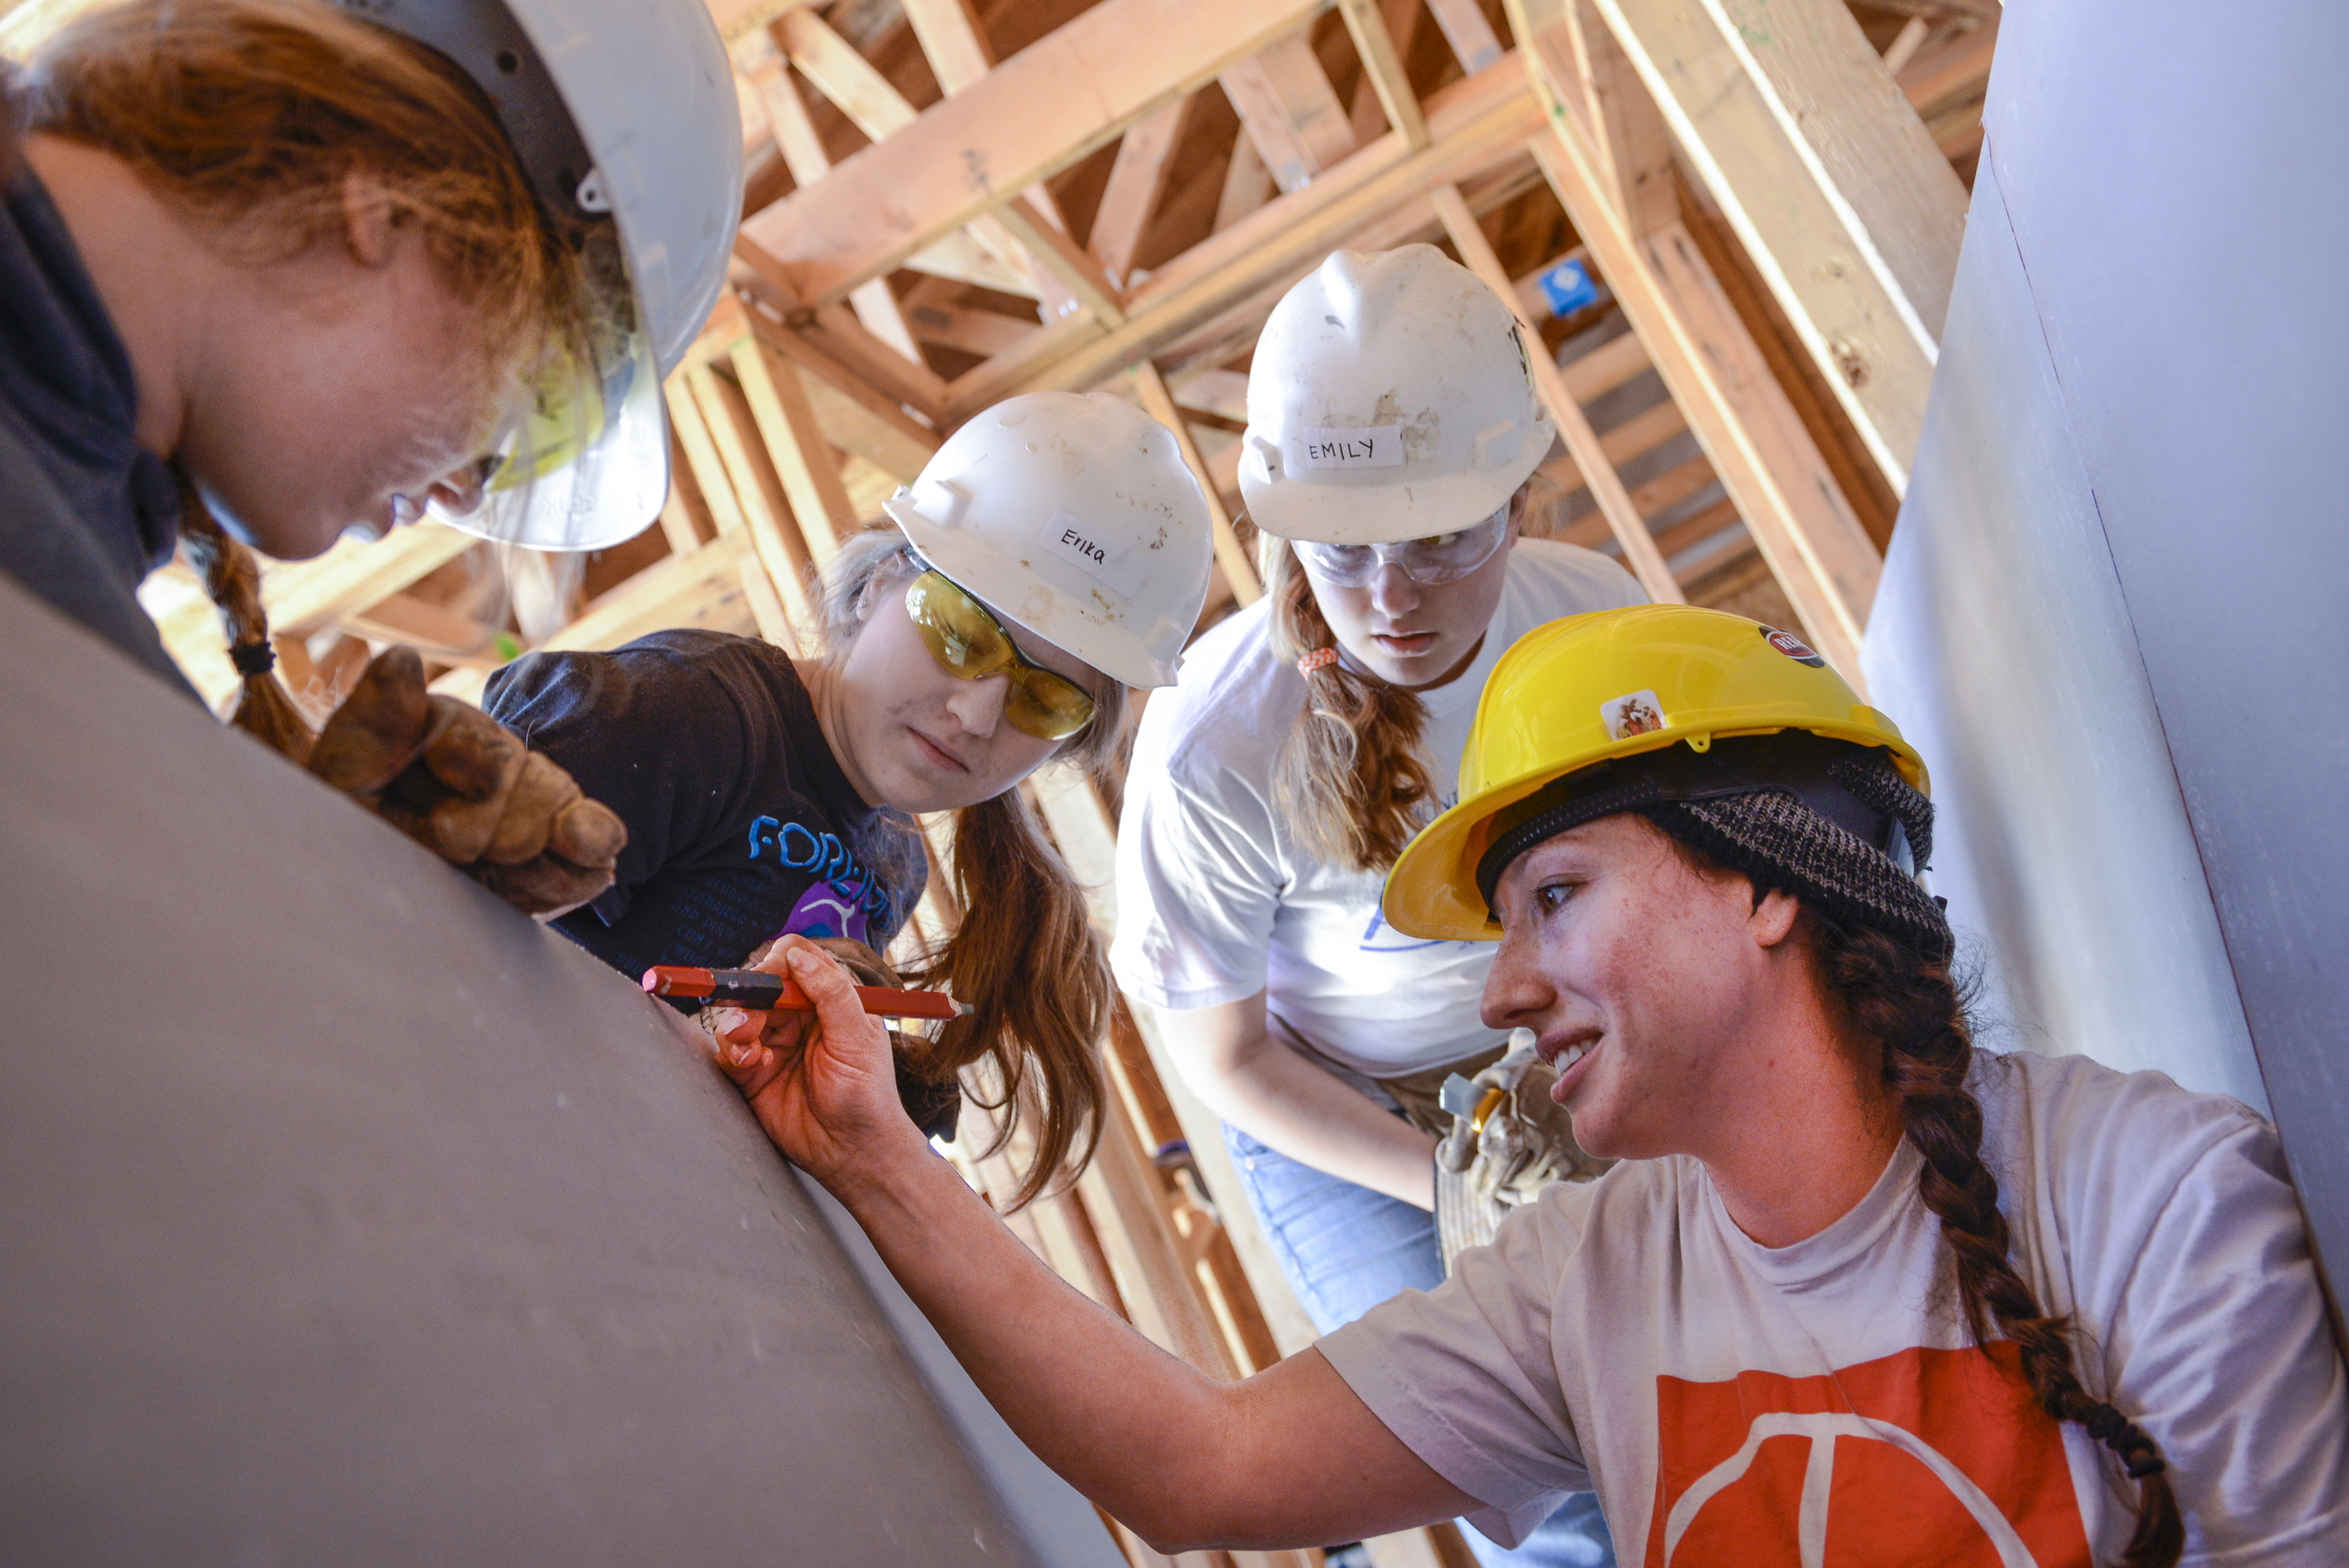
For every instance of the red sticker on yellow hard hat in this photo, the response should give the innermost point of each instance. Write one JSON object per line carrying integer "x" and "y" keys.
{"x": 1792, "y": 647}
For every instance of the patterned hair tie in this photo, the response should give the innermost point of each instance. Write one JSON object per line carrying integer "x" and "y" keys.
{"x": 1318, "y": 658}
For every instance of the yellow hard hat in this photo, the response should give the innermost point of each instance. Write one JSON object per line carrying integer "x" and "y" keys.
{"x": 1616, "y": 683}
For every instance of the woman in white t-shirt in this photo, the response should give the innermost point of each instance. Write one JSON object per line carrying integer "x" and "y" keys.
{"x": 1392, "y": 433}
{"x": 1857, "y": 1292}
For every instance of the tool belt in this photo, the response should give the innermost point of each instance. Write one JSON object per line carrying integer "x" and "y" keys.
{"x": 1500, "y": 1138}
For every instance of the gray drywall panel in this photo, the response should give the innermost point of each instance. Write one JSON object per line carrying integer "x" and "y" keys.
{"x": 2174, "y": 172}
{"x": 2001, "y": 644}
{"x": 346, "y": 1216}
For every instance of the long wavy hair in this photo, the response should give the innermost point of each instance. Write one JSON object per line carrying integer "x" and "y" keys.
{"x": 1025, "y": 955}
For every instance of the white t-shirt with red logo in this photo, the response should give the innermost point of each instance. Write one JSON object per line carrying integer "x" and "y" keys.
{"x": 1821, "y": 1404}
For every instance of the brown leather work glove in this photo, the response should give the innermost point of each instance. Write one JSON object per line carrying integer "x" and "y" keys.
{"x": 465, "y": 785}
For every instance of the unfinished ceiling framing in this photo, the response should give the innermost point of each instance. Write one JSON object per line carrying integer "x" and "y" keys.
{"x": 1733, "y": 223}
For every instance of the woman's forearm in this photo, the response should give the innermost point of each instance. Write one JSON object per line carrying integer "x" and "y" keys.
{"x": 1128, "y": 1425}
{"x": 1252, "y": 1081}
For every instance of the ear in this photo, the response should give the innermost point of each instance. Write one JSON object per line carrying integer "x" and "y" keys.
{"x": 1775, "y": 915}
{"x": 368, "y": 219}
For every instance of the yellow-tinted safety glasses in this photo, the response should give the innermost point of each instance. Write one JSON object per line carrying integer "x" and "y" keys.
{"x": 968, "y": 640}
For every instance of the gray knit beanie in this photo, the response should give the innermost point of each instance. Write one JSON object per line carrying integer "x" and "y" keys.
{"x": 1832, "y": 823}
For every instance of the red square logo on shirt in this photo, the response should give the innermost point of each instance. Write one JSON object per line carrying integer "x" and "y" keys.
{"x": 1923, "y": 1459}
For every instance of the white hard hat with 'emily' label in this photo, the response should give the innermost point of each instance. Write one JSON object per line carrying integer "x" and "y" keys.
{"x": 1389, "y": 398}
{"x": 623, "y": 108}
{"x": 1073, "y": 516}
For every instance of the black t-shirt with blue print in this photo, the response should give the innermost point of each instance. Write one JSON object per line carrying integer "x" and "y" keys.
{"x": 740, "y": 825}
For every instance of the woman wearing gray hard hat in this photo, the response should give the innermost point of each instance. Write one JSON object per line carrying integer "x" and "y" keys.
{"x": 273, "y": 269}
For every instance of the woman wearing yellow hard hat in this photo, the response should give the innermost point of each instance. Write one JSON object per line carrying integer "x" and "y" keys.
{"x": 1857, "y": 1292}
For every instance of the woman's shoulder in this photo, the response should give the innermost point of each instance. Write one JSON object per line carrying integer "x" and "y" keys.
{"x": 1232, "y": 697}
{"x": 2097, "y": 1136}
{"x": 1551, "y": 577}
{"x": 680, "y": 671}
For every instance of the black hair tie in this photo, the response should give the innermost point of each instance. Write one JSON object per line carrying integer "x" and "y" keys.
{"x": 253, "y": 658}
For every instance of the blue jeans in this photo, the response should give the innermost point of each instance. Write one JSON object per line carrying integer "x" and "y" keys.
{"x": 1344, "y": 1248}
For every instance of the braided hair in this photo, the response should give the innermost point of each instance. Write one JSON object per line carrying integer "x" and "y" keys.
{"x": 232, "y": 579}
{"x": 1907, "y": 1000}
{"x": 1884, "y": 952}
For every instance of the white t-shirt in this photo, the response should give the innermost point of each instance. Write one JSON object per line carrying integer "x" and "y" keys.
{"x": 1822, "y": 1403}
{"x": 1216, "y": 902}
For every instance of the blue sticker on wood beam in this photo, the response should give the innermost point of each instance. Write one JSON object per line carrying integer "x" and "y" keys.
{"x": 1568, "y": 287}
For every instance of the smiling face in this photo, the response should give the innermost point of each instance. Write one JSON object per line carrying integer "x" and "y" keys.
{"x": 911, "y": 734}
{"x": 1410, "y": 635}
{"x": 1644, "y": 979}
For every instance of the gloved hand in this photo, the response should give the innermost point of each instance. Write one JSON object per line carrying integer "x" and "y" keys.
{"x": 935, "y": 1106}
{"x": 458, "y": 781}
{"x": 1509, "y": 1140}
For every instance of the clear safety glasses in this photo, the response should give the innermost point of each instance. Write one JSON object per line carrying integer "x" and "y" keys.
{"x": 968, "y": 640}
{"x": 1436, "y": 559}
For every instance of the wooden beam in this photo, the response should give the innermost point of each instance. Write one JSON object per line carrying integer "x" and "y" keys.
{"x": 1849, "y": 212}
{"x": 1287, "y": 106}
{"x": 1247, "y": 183}
{"x": 701, "y": 454}
{"x": 1766, "y": 462}
{"x": 766, "y": 511}
{"x": 1132, "y": 193}
{"x": 977, "y": 150}
{"x": 1474, "y": 125}
{"x": 304, "y": 596}
{"x": 1473, "y": 42}
{"x": 1382, "y": 68}
{"x": 1229, "y": 554}
{"x": 1582, "y": 443}
{"x": 1077, "y": 270}
{"x": 1627, "y": 135}
{"x": 795, "y": 443}
{"x": 965, "y": 327}
{"x": 952, "y": 41}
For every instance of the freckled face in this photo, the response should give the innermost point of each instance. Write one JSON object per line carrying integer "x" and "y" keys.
{"x": 360, "y": 394}
{"x": 922, "y": 739}
{"x": 1635, "y": 973}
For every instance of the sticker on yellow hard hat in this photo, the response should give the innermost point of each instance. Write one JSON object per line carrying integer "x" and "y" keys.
{"x": 1792, "y": 647}
{"x": 1636, "y": 713}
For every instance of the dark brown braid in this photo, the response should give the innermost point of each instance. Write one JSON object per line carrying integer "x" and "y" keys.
{"x": 1351, "y": 781}
{"x": 1908, "y": 1000}
{"x": 232, "y": 579}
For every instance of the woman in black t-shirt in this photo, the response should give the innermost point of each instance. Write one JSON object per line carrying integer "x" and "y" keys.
{"x": 1055, "y": 551}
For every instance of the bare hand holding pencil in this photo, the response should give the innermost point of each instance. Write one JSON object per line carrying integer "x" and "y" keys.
{"x": 823, "y": 1084}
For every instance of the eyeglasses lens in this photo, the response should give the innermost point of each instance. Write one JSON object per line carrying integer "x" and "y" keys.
{"x": 968, "y": 640}
{"x": 1437, "y": 559}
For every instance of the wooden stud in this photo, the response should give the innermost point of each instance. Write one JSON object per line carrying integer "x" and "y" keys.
{"x": 1136, "y": 178}
{"x": 1788, "y": 497}
{"x": 983, "y": 147}
{"x": 1229, "y": 553}
{"x": 1077, "y": 270}
{"x": 1829, "y": 180}
{"x": 701, "y": 454}
{"x": 952, "y": 41}
{"x": 1628, "y": 136}
{"x": 1473, "y": 42}
{"x": 1247, "y": 183}
{"x": 1582, "y": 443}
{"x": 1382, "y": 69}
{"x": 765, "y": 512}
{"x": 1473, "y": 124}
{"x": 795, "y": 441}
